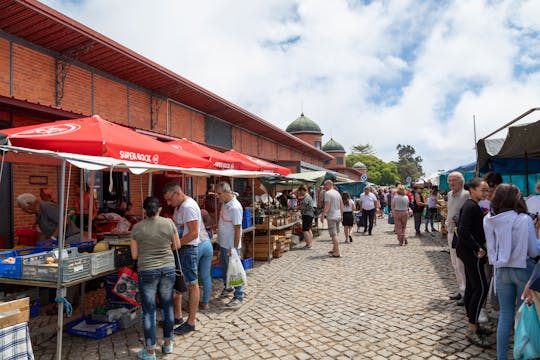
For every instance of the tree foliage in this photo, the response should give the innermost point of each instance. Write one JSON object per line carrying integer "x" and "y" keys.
{"x": 379, "y": 172}
{"x": 408, "y": 164}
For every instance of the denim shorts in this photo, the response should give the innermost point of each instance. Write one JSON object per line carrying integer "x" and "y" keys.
{"x": 189, "y": 259}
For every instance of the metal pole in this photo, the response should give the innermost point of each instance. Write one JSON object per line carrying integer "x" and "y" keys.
{"x": 150, "y": 184}
{"x": 59, "y": 289}
{"x": 81, "y": 205}
{"x": 475, "y": 146}
{"x": 253, "y": 220}
{"x": 511, "y": 122}
{"x": 91, "y": 204}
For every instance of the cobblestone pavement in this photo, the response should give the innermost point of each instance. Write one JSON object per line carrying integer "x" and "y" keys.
{"x": 379, "y": 301}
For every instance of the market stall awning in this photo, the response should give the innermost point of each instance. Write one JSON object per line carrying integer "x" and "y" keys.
{"x": 317, "y": 177}
{"x": 95, "y": 136}
{"x": 218, "y": 159}
{"x": 261, "y": 164}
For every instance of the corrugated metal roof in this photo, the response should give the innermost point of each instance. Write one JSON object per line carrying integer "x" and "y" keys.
{"x": 43, "y": 26}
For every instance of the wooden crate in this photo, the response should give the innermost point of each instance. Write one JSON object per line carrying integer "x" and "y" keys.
{"x": 14, "y": 312}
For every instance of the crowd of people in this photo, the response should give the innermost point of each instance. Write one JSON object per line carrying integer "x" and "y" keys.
{"x": 492, "y": 237}
{"x": 493, "y": 244}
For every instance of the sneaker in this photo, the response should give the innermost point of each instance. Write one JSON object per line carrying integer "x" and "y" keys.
{"x": 460, "y": 302}
{"x": 433, "y": 230}
{"x": 167, "y": 349}
{"x": 482, "y": 318}
{"x": 144, "y": 355}
{"x": 235, "y": 303}
{"x": 485, "y": 331}
{"x": 226, "y": 292}
{"x": 426, "y": 230}
{"x": 178, "y": 321}
{"x": 350, "y": 238}
{"x": 455, "y": 297}
{"x": 479, "y": 340}
{"x": 184, "y": 329}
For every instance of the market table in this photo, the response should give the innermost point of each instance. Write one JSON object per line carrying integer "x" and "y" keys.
{"x": 269, "y": 228}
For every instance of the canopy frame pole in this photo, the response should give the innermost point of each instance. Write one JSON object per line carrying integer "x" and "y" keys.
{"x": 81, "y": 204}
{"x": 511, "y": 122}
{"x": 91, "y": 204}
{"x": 253, "y": 221}
{"x": 526, "y": 173}
{"x": 59, "y": 288}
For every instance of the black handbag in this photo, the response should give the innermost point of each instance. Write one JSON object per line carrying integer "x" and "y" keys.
{"x": 455, "y": 239}
{"x": 180, "y": 281}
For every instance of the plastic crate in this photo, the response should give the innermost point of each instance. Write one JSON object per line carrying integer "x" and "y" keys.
{"x": 102, "y": 262}
{"x": 75, "y": 266}
{"x": 14, "y": 271}
{"x": 122, "y": 255}
{"x": 100, "y": 330}
{"x": 216, "y": 272}
{"x": 85, "y": 246}
{"x": 34, "y": 309}
{"x": 247, "y": 263}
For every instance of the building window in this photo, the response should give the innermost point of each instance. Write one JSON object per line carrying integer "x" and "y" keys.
{"x": 318, "y": 144}
{"x": 326, "y": 162}
{"x": 339, "y": 160}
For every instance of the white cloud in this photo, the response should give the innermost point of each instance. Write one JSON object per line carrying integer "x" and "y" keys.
{"x": 388, "y": 73}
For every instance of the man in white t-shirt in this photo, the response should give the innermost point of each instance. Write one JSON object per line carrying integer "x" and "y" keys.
{"x": 368, "y": 203}
{"x": 333, "y": 212}
{"x": 188, "y": 220}
{"x": 229, "y": 237}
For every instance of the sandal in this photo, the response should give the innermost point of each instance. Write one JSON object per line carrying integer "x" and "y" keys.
{"x": 336, "y": 256}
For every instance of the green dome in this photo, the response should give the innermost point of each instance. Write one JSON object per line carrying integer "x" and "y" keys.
{"x": 303, "y": 125}
{"x": 333, "y": 146}
{"x": 359, "y": 166}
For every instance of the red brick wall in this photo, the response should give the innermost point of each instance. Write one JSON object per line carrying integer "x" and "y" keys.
{"x": 24, "y": 120}
{"x": 110, "y": 100}
{"x": 139, "y": 109}
{"x": 77, "y": 91}
{"x": 267, "y": 149}
{"x": 284, "y": 153}
{"x": 333, "y": 162}
{"x": 135, "y": 190}
{"x": 4, "y": 67}
{"x": 21, "y": 174}
{"x": 33, "y": 76}
{"x": 249, "y": 144}
{"x": 180, "y": 119}
{"x": 309, "y": 138}
{"x": 197, "y": 123}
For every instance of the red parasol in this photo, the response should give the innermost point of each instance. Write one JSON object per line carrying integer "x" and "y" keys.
{"x": 97, "y": 137}
{"x": 262, "y": 164}
{"x": 218, "y": 159}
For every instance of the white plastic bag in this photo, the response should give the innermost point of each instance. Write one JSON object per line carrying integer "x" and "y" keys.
{"x": 236, "y": 275}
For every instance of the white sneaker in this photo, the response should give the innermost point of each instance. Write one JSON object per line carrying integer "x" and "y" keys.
{"x": 226, "y": 292}
{"x": 482, "y": 318}
{"x": 235, "y": 303}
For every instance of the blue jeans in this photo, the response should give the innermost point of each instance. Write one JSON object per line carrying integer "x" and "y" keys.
{"x": 509, "y": 283}
{"x": 151, "y": 283}
{"x": 189, "y": 260}
{"x": 224, "y": 264}
{"x": 206, "y": 251}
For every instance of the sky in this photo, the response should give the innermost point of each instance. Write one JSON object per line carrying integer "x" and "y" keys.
{"x": 380, "y": 72}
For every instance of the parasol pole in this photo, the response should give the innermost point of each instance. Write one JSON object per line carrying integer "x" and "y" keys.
{"x": 59, "y": 289}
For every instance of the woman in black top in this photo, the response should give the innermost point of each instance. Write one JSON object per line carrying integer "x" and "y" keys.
{"x": 471, "y": 249}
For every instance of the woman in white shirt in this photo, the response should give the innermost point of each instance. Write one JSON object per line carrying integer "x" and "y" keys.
{"x": 348, "y": 218}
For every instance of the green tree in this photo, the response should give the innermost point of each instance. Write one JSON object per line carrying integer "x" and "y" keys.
{"x": 379, "y": 172}
{"x": 408, "y": 164}
{"x": 364, "y": 149}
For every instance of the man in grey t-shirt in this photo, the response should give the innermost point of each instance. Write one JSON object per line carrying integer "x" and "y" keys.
{"x": 47, "y": 217}
{"x": 333, "y": 212}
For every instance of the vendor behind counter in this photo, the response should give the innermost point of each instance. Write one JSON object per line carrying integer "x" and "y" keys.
{"x": 47, "y": 218}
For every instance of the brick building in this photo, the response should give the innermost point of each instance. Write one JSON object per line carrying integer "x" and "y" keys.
{"x": 53, "y": 68}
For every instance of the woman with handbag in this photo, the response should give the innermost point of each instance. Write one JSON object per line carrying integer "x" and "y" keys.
{"x": 512, "y": 246}
{"x": 471, "y": 249}
{"x": 152, "y": 242}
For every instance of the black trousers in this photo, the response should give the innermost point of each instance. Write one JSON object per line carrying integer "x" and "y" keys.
{"x": 417, "y": 221}
{"x": 476, "y": 288}
{"x": 368, "y": 215}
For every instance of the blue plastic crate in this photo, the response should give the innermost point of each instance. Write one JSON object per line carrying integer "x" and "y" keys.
{"x": 14, "y": 271}
{"x": 247, "y": 263}
{"x": 104, "y": 328}
{"x": 216, "y": 272}
{"x": 34, "y": 309}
